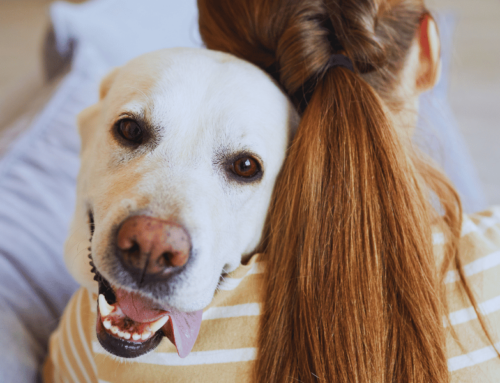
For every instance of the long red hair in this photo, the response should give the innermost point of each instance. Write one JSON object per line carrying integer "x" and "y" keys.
{"x": 353, "y": 293}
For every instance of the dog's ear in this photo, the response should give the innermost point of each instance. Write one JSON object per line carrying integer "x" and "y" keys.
{"x": 87, "y": 120}
{"x": 107, "y": 82}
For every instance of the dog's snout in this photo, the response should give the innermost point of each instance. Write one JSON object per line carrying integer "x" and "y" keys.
{"x": 152, "y": 246}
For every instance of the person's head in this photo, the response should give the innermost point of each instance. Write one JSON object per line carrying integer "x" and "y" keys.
{"x": 394, "y": 45}
{"x": 353, "y": 292}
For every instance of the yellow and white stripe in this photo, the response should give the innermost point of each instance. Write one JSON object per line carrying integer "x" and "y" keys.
{"x": 226, "y": 346}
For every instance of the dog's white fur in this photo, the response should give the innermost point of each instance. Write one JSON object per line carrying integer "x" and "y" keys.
{"x": 204, "y": 105}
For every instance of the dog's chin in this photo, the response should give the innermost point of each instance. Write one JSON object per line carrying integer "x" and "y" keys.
{"x": 112, "y": 338}
{"x": 124, "y": 348}
{"x": 130, "y": 325}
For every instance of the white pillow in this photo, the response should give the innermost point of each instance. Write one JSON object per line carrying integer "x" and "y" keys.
{"x": 119, "y": 30}
{"x": 37, "y": 191}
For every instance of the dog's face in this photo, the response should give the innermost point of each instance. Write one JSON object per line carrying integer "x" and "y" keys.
{"x": 179, "y": 160}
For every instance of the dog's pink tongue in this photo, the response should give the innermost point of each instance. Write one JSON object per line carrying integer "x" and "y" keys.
{"x": 137, "y": 307}
{"x": 182, "y": 329}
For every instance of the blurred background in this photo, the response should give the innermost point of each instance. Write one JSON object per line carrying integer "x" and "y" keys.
{"x": 474, "y": 91}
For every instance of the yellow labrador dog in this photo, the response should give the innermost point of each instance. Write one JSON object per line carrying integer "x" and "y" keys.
{"x": 178, "y": 163}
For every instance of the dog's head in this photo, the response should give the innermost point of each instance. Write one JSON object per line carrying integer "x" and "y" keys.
{"x": 179, "y": 159}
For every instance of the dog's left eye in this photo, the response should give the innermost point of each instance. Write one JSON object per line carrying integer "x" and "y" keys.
{"x": 246, "y": 167}
{"x": 130, "y": 131}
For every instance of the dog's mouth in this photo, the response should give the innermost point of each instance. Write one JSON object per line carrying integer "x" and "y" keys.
{"x": 130, "y": 325}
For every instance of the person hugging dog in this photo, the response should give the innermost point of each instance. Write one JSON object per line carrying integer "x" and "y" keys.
{"x": 363, "y": 267}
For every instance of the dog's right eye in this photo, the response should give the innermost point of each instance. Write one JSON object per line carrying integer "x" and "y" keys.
{"x": 131, "y": 131}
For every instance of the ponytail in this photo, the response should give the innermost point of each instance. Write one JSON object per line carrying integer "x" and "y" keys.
{"x": 352, "y": 294}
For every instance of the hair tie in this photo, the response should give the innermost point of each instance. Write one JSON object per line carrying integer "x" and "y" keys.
{"x": 336, "y": 60}
{"x": 339, "y": 60}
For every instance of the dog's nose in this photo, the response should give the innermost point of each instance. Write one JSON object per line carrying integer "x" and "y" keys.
{"x": 152, "y": 246}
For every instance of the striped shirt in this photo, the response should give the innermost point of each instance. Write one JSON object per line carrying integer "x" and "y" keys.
{"x": 226, "y": 346}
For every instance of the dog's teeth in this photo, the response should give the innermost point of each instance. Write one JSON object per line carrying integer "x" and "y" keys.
{"x": 136, "y": 336}
{"x": 114, "y": 330}
{"x": 155, "y": 326}
{"x": 104, "y": 307}
{"x": 145, "y": 335}
{"x": 124, "y": 334}
{"x": 107, "y": 324}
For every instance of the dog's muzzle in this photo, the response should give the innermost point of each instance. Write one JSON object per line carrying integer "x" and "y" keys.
{"x": 130, "y": 324}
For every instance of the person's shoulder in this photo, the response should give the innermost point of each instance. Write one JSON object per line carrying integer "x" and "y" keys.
{"x": 483, "y": 226}
{"x": 470, "y": 355}
{"x": 480, "y": 238}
